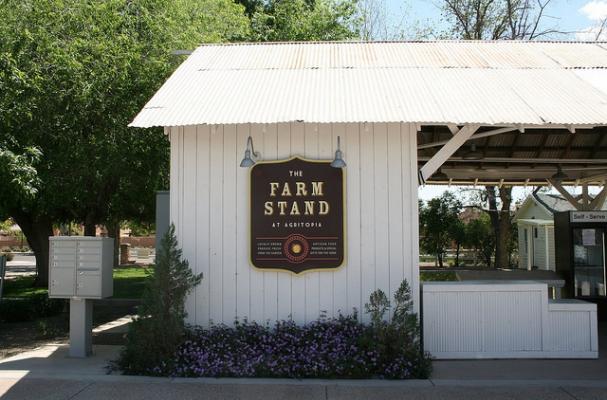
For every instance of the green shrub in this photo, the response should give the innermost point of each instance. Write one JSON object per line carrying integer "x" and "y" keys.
{"x": 48, "y": 330}
{"x": 398, "y": 341}
{"x": 430, "y": 276}
{"x": 29, "y": 308}
{"x": 155, "y": 335}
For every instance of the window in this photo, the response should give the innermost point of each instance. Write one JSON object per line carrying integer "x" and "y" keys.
{"x": 535, "y": 233}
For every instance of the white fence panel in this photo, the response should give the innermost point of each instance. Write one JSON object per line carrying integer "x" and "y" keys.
{"x": 505, "y": 319}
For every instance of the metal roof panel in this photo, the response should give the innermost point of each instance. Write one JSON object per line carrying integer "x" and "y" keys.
{"x": 489, "y": 83}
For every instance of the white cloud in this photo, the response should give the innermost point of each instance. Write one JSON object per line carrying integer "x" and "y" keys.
{"x": 595, "y": 10}
{"x": 590, "y": 35}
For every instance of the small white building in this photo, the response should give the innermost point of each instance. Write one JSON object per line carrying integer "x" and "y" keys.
{"x": 535, "y": 222}
{"x": 400, "y": 114}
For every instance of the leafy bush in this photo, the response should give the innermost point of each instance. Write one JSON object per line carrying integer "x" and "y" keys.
{"x": 328, "y": 348}
{"x": 430, "y": 276}
{"x": 48, "y": 330}
{"x": 29, "y": 308}
{"x": 398, "y": 342}
{"x": 156, "y": 333}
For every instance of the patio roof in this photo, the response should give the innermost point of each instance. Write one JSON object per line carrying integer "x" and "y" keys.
{"x": 519, "y": 157}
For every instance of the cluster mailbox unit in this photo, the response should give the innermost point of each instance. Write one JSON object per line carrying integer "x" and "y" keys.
{"x": 580, "y": 255}
{"x": 80, "y": 270}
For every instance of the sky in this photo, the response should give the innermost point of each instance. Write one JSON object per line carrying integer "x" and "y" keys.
{"x": 579, "y": 17}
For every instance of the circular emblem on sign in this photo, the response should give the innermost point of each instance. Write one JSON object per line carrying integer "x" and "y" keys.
{"x": 296, "y": 248}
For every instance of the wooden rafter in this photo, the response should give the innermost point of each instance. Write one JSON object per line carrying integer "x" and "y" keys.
{"x": 597, "y": 145}
{"x": 445, "y": 152}
{"x": 567, "y": 148}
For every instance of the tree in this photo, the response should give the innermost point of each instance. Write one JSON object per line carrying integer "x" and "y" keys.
{"x": 72, "y": 76}
{"x": 436, "y": 218}
{"x": 158, "y": 330}
{"x": 479, "y": 236}
{"x": 601, "y": 29}
{"x": 303, "y": 20}
{"x": 497, "y": 19}
{"x": 501, "y": 221}
{"x": 457, "y": 232}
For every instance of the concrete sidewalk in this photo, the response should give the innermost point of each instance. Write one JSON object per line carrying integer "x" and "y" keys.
{"x": 47, "y": 373}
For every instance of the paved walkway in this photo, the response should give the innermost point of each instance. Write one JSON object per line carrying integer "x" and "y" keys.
{"x": 47, "y": 373}
{"x": 21, "y": 265}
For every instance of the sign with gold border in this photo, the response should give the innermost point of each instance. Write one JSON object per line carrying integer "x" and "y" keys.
{"x": 297, "y": 215}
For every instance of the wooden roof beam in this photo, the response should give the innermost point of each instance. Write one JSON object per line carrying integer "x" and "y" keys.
{"x": 438, "y": 159}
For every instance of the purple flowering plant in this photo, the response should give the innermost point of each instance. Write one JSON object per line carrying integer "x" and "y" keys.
{"x": 340, "y": 347}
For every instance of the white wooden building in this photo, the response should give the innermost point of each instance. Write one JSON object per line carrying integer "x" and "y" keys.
{"x": 406, "y": 113}
{"x": 535, "y": 222}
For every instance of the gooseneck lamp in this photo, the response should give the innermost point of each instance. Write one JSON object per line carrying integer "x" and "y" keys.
{"x": 559, "y": 176}
{"x": 338, "y": 162}
{"x": 250, "y": 155}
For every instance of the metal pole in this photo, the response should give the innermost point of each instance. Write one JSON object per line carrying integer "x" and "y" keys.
{"x": 2, "y": 274}
{"x": 81, "y": 327}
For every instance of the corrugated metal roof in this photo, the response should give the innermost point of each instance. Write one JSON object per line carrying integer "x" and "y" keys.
{"x": 490, "y": 83}
{"x": 555, "y": 203}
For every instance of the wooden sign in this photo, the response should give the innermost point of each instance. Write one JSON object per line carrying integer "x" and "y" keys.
{"x": 297, "y": 215}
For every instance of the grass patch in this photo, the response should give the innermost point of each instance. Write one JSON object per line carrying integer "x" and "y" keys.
{"x": 128, "y": 284}
{"x": 429, "y": 276}
{"x": 22, "y": 286}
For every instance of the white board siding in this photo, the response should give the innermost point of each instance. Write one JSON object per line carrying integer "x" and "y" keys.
{"x": 539, "y": 247}
{"x": 210, "y": 209}
{"x": 522, "y": 250}
{"x": 550, "y": 250}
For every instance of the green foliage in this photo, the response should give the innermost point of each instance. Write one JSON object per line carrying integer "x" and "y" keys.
{"x": 140, "y": 228}
{"x": 130, "y": 283}
{"x": 481, "y": 237}
{"x": 437, "y": 219}
{"x": 457, "y": 232}
{"x": 22, "y": 286}
{"x": 302, "y": 20}
{"x": 73, "y": 74}
{"x": 430, "y": 276}
{"x": 377, "y": 306}
{"x": 18, "y": 177}
{"x": 397, "y": 342}
{"x": 28, "y": 308}
{"x": 48, "y": 329}
{"x": 157, "y": 332}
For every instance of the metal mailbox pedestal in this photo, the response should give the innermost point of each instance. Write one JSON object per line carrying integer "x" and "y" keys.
{"x": 80, "y": 270}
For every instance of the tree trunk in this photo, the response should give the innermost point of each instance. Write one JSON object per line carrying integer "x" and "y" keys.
{"x": 90, "y": 229}
{"x": 457, "y": 255}
{"x": 502, "y": 254}
{"x": 113, "y": 231}
{"x": 495, "y": 220}
{"x": 439, "y": 258}
{"x": 37, "y": 231}
{"x": 501, "y": 223}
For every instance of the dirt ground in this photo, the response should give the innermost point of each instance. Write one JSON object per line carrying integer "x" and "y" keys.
{"x": 17, "y": 337}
